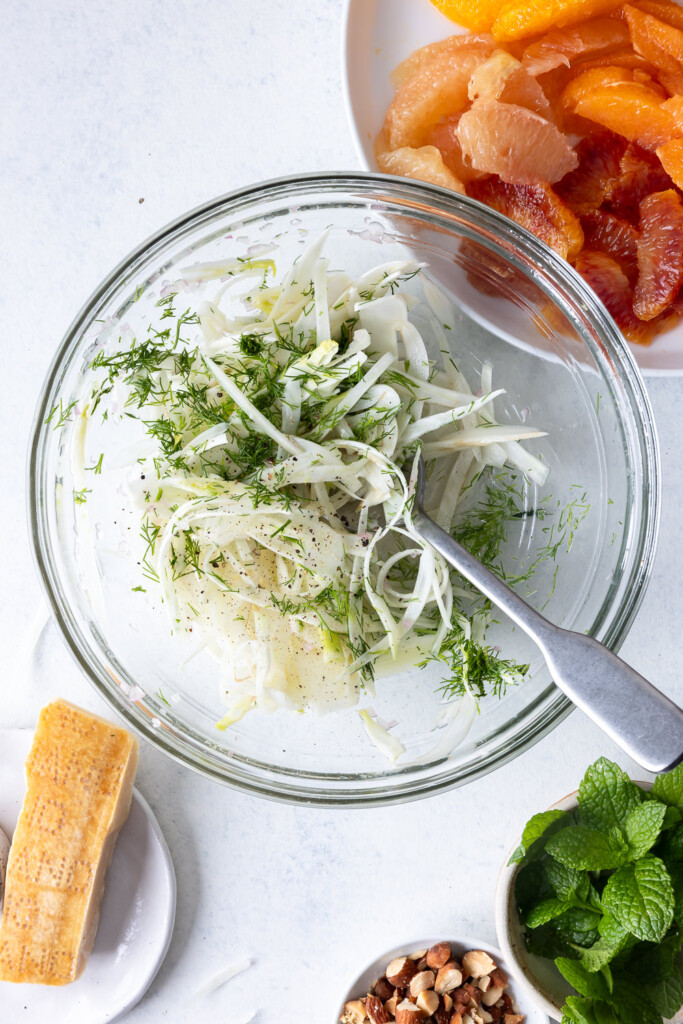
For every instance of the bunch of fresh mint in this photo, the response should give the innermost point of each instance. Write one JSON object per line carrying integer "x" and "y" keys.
{"x": 600, "y": 891}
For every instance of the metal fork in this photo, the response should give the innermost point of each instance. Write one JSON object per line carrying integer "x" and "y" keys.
{"x": 641, "y": 720}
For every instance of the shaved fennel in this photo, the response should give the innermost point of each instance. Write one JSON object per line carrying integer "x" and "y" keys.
{"x": 283, "y": 426}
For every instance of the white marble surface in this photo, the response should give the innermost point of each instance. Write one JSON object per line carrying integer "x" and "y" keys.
{"x": 107, "y": 104}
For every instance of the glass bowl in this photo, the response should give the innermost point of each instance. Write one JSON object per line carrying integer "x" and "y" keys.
{"x": 509, "y": 300}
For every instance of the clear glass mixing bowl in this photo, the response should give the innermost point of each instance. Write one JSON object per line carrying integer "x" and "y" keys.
{"x": 561, "y": 359}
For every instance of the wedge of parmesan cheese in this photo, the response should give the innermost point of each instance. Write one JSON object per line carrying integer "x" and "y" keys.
{"x": 80, "y": 773}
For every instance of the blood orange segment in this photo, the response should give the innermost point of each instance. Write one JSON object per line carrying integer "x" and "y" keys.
{"x": 425, "y": 164}
{"x": 671, "y": 158}
{"x": 603, "y": 232}
{"x": 515, "y": 143}
{"x": 537, "y": 208}
{"x": 445, "y": 137}
{"x": 420, "y": 59}
{"x": 608, "y": 281}
{"x": 599, "y": 156}
{"x": 519, "y": 19}
{"x": 660, "y": 254}
{"x": 435, "y": 91}
{"x": 560, "y": 46}
{"x": 473, "y": 14}
{"x": 627, "y": 107}
{"x": 640, "y": 173}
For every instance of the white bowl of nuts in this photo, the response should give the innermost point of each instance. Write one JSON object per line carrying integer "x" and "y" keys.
{"x": 463, "y": 981}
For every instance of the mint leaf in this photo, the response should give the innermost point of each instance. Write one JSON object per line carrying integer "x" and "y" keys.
{"x": 535, "y": 829}
{"x": 667, "y": 995}
{"x": 604, "y": 1013}
{"x": 545, "y": 911}
{"x": 578, "y": 926}
{"x": 671, "y": 818}
{"x": 642, "y": 827}
{"x": 593, "y": 986}
{"x": 676, "y": 873}
{"x": 671, "y": 845}
{"x": 566, "y": 881}
{"x": 584, "y": 848}
{"x": 613, "y": 939}
{"x": 531, "y": 885}
{"x": 669, "y": 788}
{"x": 641, "y": 898}
{"x": 545, "y": 941}
{"x": 579, "y": 1010}
{"x": 606, "y": 796}
{"x": 652, "y": 962}
{"x": 632, "y": 1008}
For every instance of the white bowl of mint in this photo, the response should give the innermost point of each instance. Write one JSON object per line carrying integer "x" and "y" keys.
{"x": 590, "y": 904}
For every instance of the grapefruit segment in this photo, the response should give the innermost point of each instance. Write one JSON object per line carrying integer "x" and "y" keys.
{"x": 561, "y": 46}
{"x": 521, "y": 18}
{"x": 425, "y": 164}
{"x": 503, "y": 77}
{"x": 608, "y": 281}
{"x": 445, "y": 137}
{"x": 603, "y": 232}
{"x": 438, "y": 89}
{"x": 599, "y": 156}
{"x": 513, "y": 142}
{"x": 423, "y": 57}
{"x": 671, "y": 158}
{"x": 537, "y": 208}
{"x": 660, "y": 254}
{"x": 640, "y": 173}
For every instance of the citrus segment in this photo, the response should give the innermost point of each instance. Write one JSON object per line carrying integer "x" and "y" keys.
{"x": 599, "y": 156}
{"x": 503, "y": 77}
{"x": 515, "y": 143}
{"x": 519, "y": 19}
{"x": 608, "y": 281}
{"x": 425, "y": 164}
{"x": 664, "y": 10}
{"x": 560, "y": 46}
{"x": 603, "y": 232}
{"x": 653, "y": 38}
{"x": 660, "y": 254}
{"x": 423, "y": 57}
{"x": 445, "y": 137}
{"x": 629, "y": 108}
{"x": 473, "y": 14}
{"x": 439, "y": 88}
{"x": 671, "y": 158}
{"x": 640, "y": 173}
{"x": 537, "y": 208}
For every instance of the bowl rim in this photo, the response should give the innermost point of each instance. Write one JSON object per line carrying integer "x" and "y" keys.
{"x": 517, "y": 242}
{"x": 504, "y": 914}
{"x": 466, "y": 942}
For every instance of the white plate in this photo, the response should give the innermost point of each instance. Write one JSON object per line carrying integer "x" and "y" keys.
{"x": 136, "y": 922}
{"x": 378, "y": 35}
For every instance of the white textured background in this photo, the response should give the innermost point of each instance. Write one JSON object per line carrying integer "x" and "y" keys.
{"x": 104, "y": 104}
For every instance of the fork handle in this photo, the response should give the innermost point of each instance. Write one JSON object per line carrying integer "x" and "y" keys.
{"x": 637, "y": 716}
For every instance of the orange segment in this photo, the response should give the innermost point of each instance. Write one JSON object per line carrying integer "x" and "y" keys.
{"x": 563, "y": 45}
{"x": 519, "y": 19}
{"x": 438, "y": 89}
{"x": 608, "y": 281}
{"x": 423, "y": 57}
{"x": 660, "y": 254}
{"x": 584, "y": 189}
{"x": 603, "y": 232}
{"x": 671, "y": 158}
{"x": 515, "y": 143}
{"x": 629, "y": 108}
{"x": 537, "y": 208}
{"x": 653, "y": 37}
{"x": 640, "y": 173}
{"x": 425, "y": 164}
{"x": 664, "y": 10}
{"x": 477, "y": 15}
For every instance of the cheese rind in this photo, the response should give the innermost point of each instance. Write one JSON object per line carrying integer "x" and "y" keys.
{"x": 80, "y": 774}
